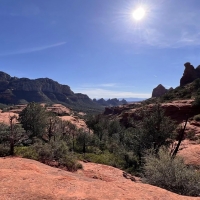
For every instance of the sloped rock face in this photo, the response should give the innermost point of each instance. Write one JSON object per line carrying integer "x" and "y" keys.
{"x": 190, "y": 74}
{"x": 14, "y": 90}
{"x": 159, "y": 91}
{"x": 190, "y": 152}
{"x": 28, "y": 179}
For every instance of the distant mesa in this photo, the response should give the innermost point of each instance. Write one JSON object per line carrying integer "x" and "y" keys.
{"x": 110, "y": 102}
{"x": 190, "y": 74}
{"x": 159, "y": 91}
{"x": 15, "y": 90}
{"x": 134, "y": 100}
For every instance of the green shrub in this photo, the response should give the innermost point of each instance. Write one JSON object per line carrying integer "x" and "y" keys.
{"x": 105, "y": 158}
{"x": 44, "y": 152}
{"x": 27, "y": 152}
{"x": 70, "y": 162}
{"x": 188, "y": 96}
{"x": 197, "y": 117}
{"x": 196, "y": 102}
{"x": 184, "y": 93}
{"x": 191, "y": 135}
{"x": 196, "y": 84}
{"x": 168, "y": 96}
{"x": 58, "y": 151}
{"x": 50, "y": 151}
{"x": 131, "y": 161}
{"x": 3, "y": 106}
{"x": 4, "y": 150}
{"x": 171, "y": 174}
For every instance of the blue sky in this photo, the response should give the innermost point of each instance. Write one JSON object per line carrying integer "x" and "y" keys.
{"x": 96, "y": 47}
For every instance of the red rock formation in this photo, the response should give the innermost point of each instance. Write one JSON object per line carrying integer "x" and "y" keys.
{"x": 189, "y": 75}
{"x": 176, "y": 110}
{"x": 159, "y": 91}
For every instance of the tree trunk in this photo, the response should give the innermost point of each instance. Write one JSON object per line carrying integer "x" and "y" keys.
{"x": 180, "y": 140}
{"x": 11, "y": 137}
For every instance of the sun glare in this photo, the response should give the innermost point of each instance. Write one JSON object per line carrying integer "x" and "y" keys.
{"x": 139, "y": 13}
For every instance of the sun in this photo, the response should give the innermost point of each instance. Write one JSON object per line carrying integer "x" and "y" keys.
{"x": 139, "y": 13}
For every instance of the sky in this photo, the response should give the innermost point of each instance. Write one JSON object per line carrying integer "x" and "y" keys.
{"x": 97, "y": 47}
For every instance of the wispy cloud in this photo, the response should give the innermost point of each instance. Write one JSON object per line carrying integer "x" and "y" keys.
{"x": 34, "y": 49}
{"x": 161, "y": 39}
{"x": 165, "y": 26}
{"x": 169, "y": 35}
{"x": 108, "y": 85}
{"x": 101, "y": 85}
{"x": 105, "y": 93}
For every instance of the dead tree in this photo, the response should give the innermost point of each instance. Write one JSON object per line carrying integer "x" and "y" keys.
{"x": 12, "y": 135}
{"x": 180, "y": 139}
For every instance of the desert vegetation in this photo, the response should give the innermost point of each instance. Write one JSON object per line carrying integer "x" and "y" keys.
{"x": 172, "y": 174}
{"x": 38, "y": 135}
{"x": 141, "y": 148}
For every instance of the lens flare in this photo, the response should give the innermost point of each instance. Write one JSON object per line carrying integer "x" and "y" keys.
{"x": 139, "y": 14}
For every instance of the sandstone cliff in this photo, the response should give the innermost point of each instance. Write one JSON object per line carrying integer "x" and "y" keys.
{"x": 15, "y": 90}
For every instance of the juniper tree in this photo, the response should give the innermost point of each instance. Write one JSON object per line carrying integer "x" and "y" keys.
{"x": 34, "y": 119}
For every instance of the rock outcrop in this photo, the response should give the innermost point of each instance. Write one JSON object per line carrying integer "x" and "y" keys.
{"x": 190, "y": 74}
{"x": 159, "y": 91}
{"x": 176, "y": 110}
{"x": 61, "y": 111}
